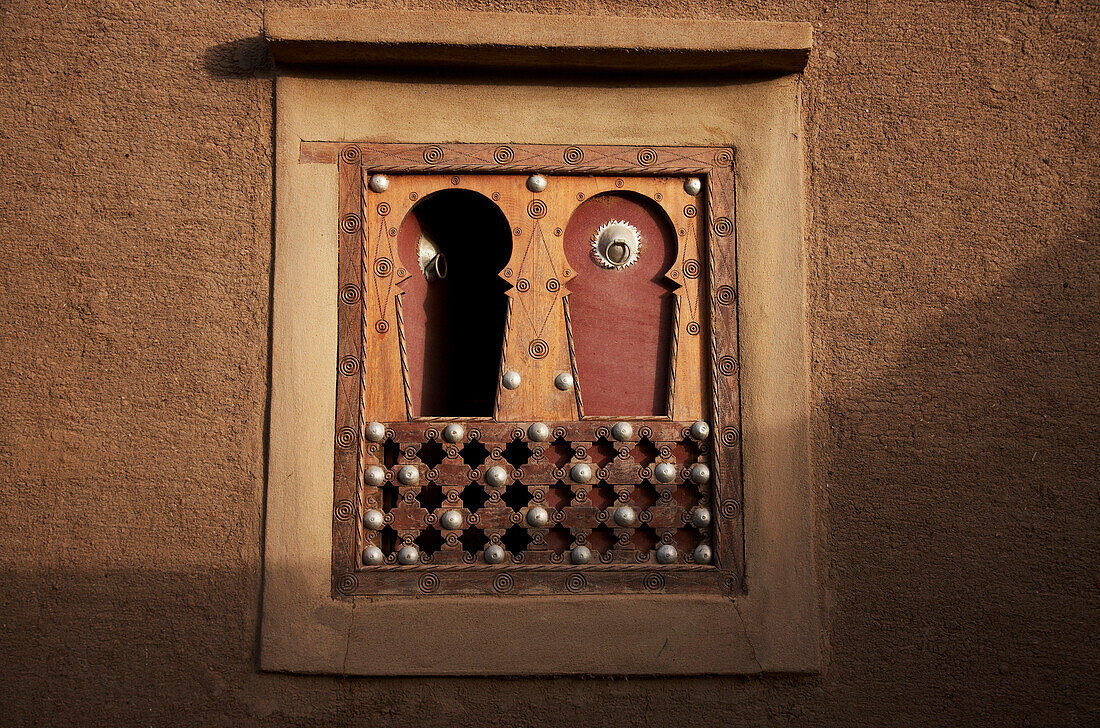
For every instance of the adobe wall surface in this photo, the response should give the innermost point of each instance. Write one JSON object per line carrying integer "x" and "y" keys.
{"x": 954, "y": 286}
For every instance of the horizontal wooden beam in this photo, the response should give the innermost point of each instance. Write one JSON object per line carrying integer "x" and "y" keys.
{"x": 528, "y": 41}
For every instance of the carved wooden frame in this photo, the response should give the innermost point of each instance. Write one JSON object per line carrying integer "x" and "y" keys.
{"x": 717, "y": 283}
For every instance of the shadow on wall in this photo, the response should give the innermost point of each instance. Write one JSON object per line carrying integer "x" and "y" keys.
{"x": 239, "y": 59}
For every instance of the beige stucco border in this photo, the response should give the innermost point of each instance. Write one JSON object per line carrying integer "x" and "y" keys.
{"x": 774, "y": 627}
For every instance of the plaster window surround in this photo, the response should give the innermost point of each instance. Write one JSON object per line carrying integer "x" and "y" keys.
{"x": 443, "y": 83}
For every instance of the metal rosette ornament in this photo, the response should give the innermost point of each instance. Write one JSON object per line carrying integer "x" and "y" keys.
{"x": 616, "y": 245}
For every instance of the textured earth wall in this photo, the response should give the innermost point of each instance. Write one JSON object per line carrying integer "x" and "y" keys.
{"x": 954, "y": 273}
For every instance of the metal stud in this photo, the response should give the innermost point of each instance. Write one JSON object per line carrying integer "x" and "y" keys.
{"x": 580, "y": 473}
{"x": 693, "y": 185}
{"x": 376, "y": 432}
{"x": 372, "y": 555}
{"x": 536, "y": 183}
{"x": 622, "y": 431}
{"x": 700, "y": 430}
{"x": 374, "y": 520}
{"x": 451, "y": 520}
{"x": 408, "y": 555}
{"x": 625, "y": 516}
{"x": 538, "y": 432}
{"x": 537, "y": 517}
{"x": 375, "y": 476}
{"x": 511, "y": 379}
{"x": 564, "y": 381}
{"x": 700, "y": 473}
{"x": 454, "y": 433}
{"x": 702, "y": 554}
{"x": 700, "y": 518}
{"x": 666, "y": 554}
{"x": 665, "y": 472}
{"x": 496, "y": 475}
{"x": 494, "y": 554}
{"x": 379, "y": 183}
{"x": 408, "y": 475}
{"x": 580, "y": 555}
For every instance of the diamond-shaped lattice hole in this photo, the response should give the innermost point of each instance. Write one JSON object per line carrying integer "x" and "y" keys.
{"x": 517, "y": 453}
{"x": 558, "y": 495}
{"x": 473, "y": 453}
{"x": 390, "y": 496}
{"x": 516, "y": 496}
{"x": 602, "y": 452}
{"x": 430, "y": 496}
{"x": 558, "y": 539}
{"x": 602, "y": 495}
{"x": 644, "y": 452}
{"x": 474, "y": 497}
{"x": 559, "y": 452}
{"x": 390, "y": 452}
{"x": 644, "y": 495}
{"x": 644, "y": 539}
{"x": 516, "y": 539}
{"x": 601, "y": 539}
{"x": 431, "y": 453}
{"x": 388, "y": 540}
{"x": 429, "y": 541}
{"x": 473, "y": 540}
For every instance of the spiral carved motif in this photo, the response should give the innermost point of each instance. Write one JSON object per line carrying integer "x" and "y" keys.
{"x": 452, "y": 539}
{"x": 495, "y": 196}
{"x": 654, "y": 582}
{"x": 433, "y": 154}
{"x": 729, "y": 436}
{"x": 645, "y": 431}
{"x": 503, "y": 583}
{"x": 455, "y": 180}
{"x": 503, "y": 155}
{"x": 345, "y": 437}
{"x": 343, "y": 510}
{"x": 536, "y": 209}
{"x": 602, "y": 431}
{"x": 727, "y": 365}
{"x": 692, "y": 328}
{"x": 723, "y": 226}
{"x": 729, "y": 508}
{"x": 690, "y": 211}
{"x": 691, "y": 268}
{"x": 575, "y": 583}
{"x": 553, "y": 285}
{"x": 581, "y": 451}
{"x": 473, "y": 519}
{"x": 347, "y": 583}
{"x": 431, "y": 433}
{"x": 428, "y": 583}
{"x": 618, "y": 183}
{"x": 658, "y": 196}
{"x": 538, "y": 349}
{"x": 725, "y": 295}
{"x": 558, "y": 432}
{"x": 474, "y": 433}
{"x": 350, "y": 295}
{"x": 383, "y": 208}
{"x": 723, "y": 157}
{"x": 381, "y": 326}
{"x": 413, "y": 196}
{"x": 497, "y": 452}
{"x": 350, "y": 223}
{"x": 349, "y": 366}
{"x": 351, "y": 154}
{"x": 573, "y": 155}
{"x": 523, "y": 285}
{"x": 432, "y": 474}
{"x": 647, "y": 156}
{"x": 383, "y": 267}
{"x": 517, "y": 433}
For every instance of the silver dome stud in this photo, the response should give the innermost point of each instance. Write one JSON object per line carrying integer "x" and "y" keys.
{"x": 580, "y": 555}
{"x": 375, "y": 476}
{"x": 538, "y": 432}
{"x": 372, "y": 555}
{"x": 625, "y": 516}
{"x": 700, "y": 430}
{"x": 376, "y": 432}
{"x": 494, "y": 554}
{"x": 408, "y": 475}
{"x": 408, "y": 555}
{"x": 536, "y": 183}
{"x": 454, "y": 433}
{"x": 702, "y": 554}
{"x": 537, "y": 517}
{"x": 564, "y": 381}
{"x": 665, "y": 472}
{"x": 511, "y": 379}
{"x": 379, "y": 183}
{"x": 616, "y": 244}
{"x": 666, "y": 554}
{"x": 693, "y": 185}
{"x": 700, "y": 474}
{"x": 700, "y": 518}
{"x": 374, "y": 520}
{"x": 496, "y": 475}
{"x": 580, "y": 473}
{"x": 451, "y": 520}
{"x": 622, "y": 431}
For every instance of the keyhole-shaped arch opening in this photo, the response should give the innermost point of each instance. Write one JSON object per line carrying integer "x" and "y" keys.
{"x": 454, "y": 242}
